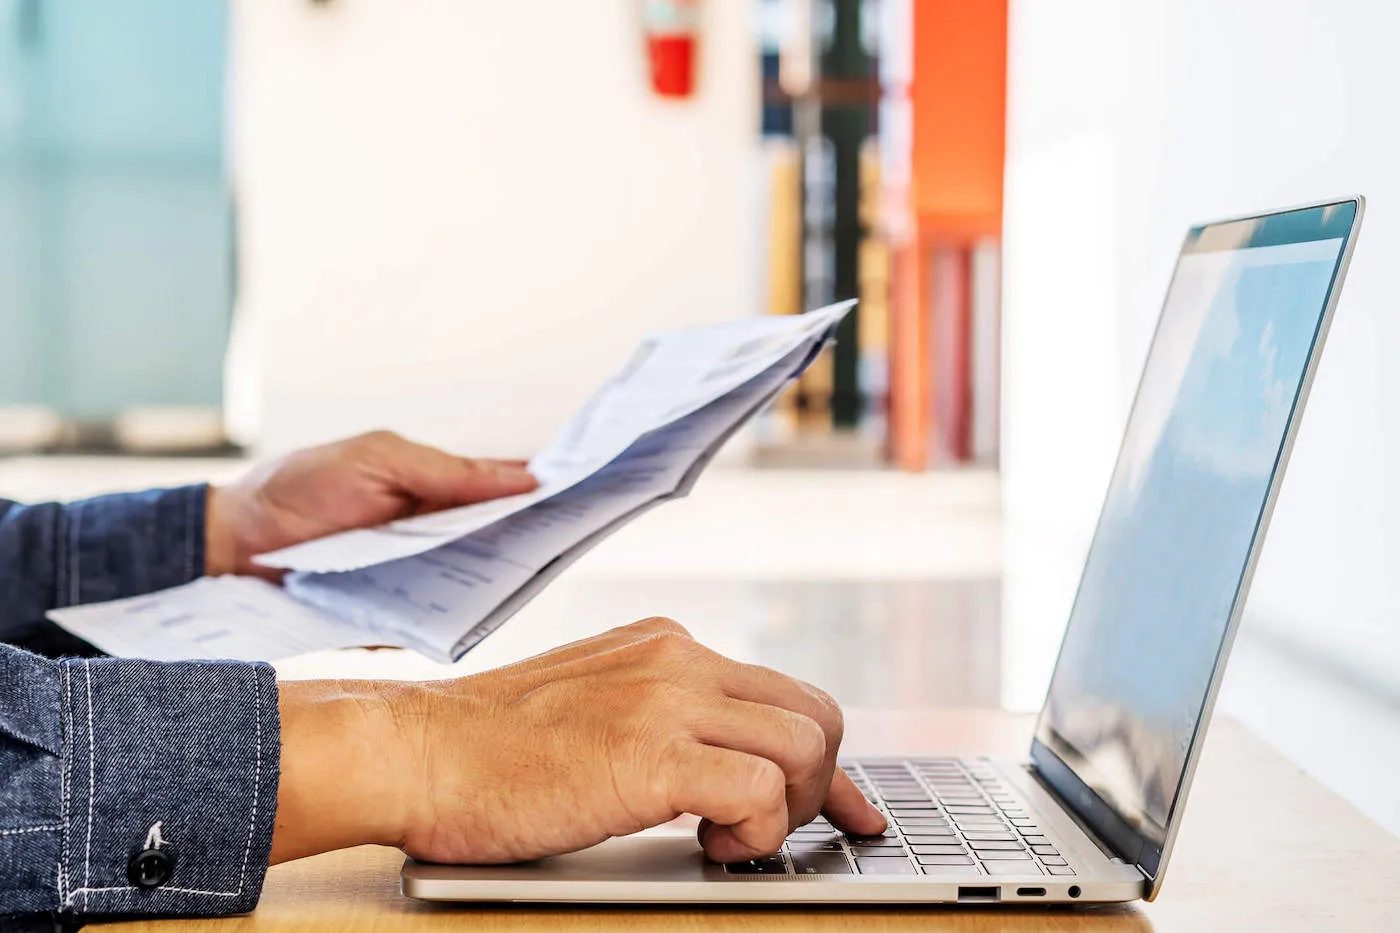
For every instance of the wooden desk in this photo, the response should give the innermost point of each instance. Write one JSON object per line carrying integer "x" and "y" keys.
{"x": 1264, "y": 847}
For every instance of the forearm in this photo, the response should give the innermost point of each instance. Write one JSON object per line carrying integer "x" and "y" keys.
{"x": 55, "y": 555}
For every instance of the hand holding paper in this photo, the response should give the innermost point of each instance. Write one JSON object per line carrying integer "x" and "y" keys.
{"x": 442, "y": 581}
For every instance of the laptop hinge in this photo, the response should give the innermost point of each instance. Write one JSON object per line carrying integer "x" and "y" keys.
{"x": 1109, "y": 852}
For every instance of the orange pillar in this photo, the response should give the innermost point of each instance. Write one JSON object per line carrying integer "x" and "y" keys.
{"x": 958, "y": 99}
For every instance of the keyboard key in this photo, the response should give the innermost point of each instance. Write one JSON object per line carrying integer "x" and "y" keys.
{"x": 799, "y": 846}
{"x": 879, "y": 841}
{"x": 1011, "y": 868}
{"x": 821, "y": 863}
{"x": 1035, "y": 839}
{"x": 990, "y": 834}
{"x": 885, "y": 866}
{"x": 1045, "y": 850}
{"x": 986, "y": 846}
{"x": 769, "y": 865}
{"x": 976, "y": 819}
{"x": 1004, "y": 856}
{"x": 879, "y": 851}
{"x": 945, "y": 860}
{"x": 960, "y": 809}
{"x": 948, "y": 849}
{"x": 889, "y": 833}
{"x": 912, "y": 823}
{"x": 814, "y": 837}
{"x": 1054, "y": 860}
{"x": 930, "y": 836}
{"x": 913, "y": 809}
{"x": 1020, "y": 821}
{"x": 1057, "y": 870}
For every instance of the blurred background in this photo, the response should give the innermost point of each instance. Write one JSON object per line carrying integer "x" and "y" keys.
{"x": 230, "y": 228}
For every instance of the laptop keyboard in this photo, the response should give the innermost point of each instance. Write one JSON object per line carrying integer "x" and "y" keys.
{"x": 948, "y": 816}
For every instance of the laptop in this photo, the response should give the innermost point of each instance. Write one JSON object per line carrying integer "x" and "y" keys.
{"x": 1091, "y": 814}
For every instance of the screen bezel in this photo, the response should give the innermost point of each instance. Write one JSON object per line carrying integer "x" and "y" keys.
{"x": 1115, "y": 829}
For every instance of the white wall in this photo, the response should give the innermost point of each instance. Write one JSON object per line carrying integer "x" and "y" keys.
{"x": 1127, "y": 126}
{"x": 456, "y": 218}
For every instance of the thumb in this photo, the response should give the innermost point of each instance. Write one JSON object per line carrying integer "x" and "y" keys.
{"x": 441, "y": 480}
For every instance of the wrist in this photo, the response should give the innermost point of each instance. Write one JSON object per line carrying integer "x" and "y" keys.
{"x": 220, "y": 546}
{"x": 343, "y": 763}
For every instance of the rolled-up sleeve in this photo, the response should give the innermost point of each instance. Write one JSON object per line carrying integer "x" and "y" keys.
{"x": 134, "y": 787}
{"x": 54, "y": 555}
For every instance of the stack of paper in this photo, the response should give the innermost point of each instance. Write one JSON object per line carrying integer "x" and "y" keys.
{"x": 440, "y": 583}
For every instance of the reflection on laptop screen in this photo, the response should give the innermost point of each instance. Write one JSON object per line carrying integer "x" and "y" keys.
{"x": 1167, "y": 561}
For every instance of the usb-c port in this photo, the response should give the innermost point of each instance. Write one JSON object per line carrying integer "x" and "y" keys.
{"x": 1030, "y": 892}
{"x": 978, "y": 895}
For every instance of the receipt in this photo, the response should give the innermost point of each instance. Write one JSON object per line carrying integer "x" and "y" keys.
{"x": 669, "y": 376}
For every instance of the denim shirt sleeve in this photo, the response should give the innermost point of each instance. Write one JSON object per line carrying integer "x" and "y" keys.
{"x": 93, "y": 550}
{"x": 94, "y": 753}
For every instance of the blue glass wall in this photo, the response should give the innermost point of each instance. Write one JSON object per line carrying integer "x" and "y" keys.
{"x": 115, "y": 213}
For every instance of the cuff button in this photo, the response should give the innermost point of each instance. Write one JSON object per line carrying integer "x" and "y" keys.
{"x": 150, "y": 868}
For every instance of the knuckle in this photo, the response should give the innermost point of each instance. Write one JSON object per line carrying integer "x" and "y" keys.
{"x": 656, "y": 624}
{"x": 767, "y": 781}
{"x": 381, "y": 437}
{"x": 833, "y": 721}
{"x": 809, "y": 741}
{"x": 670, "y": 645}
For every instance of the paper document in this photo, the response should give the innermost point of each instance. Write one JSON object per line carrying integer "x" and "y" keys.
{"x": 440, "y": 583}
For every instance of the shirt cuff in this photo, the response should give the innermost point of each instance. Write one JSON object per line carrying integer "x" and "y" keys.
{"x": 181, "y": 759}
{"x": 130, "y": 544}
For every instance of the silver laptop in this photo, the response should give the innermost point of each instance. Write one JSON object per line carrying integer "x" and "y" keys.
{"x": 1092, "y": 813}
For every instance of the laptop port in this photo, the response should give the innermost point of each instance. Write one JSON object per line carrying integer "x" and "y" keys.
{"x": 968, "y": 894}
{"x": 1030, "y": 892}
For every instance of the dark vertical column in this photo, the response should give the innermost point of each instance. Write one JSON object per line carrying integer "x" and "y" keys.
{"x": 848, "y": 115}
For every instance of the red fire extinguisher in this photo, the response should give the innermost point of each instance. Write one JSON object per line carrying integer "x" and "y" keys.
{"x": 672, "y": 31}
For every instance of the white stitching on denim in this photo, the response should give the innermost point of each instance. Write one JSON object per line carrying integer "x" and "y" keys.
{"x": 65, "y": 780}
{"x": 252, "y": 822}
{"x": 74, "y": 533}
{"x": 167, "y": 889}
{"x": 92, "y": 782}
{"x": 257, "y": 777}
{"x": 48, "y": 828}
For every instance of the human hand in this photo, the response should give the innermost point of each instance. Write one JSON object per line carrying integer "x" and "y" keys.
{"x": 604, "y": 737}
{"x": 355, "y": 483}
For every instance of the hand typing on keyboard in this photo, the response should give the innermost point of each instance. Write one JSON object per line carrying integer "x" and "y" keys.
{"x": 601, "y": 738}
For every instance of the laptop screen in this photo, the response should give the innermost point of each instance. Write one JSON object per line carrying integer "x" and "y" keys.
{"x": 1174, "y": 543}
